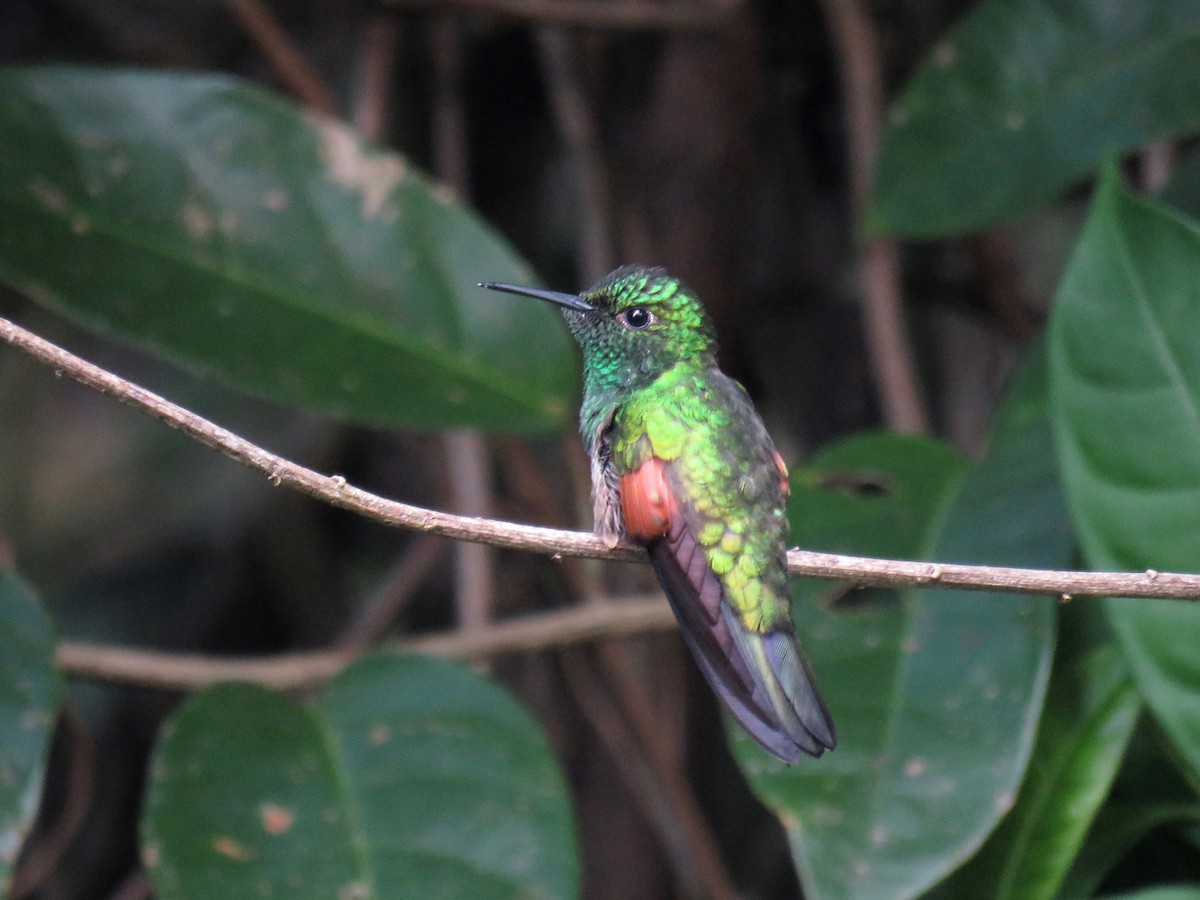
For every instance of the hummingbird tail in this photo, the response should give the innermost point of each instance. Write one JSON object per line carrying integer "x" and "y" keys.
{"x": 762, "y": 677}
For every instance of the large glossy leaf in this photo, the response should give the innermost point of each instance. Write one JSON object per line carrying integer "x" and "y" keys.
{"x": 29, "y": 695}
{"x": 1125, "y": 376}
{"x": 411, "y": 778}
{"x": 214, "y": 223}
{"x": 935, "y": 697}
{"x": 1024, "y": 97}
{"x": 1090, "y": 714}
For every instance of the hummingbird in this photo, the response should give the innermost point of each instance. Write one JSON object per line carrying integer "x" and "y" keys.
{"x": 682, "y": 464}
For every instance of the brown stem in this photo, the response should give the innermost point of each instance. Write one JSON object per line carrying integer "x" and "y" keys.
{"x": 381, "y": 42}
{"x": 577, "y": 128}
{"x": 392, "y": 595}
{"x": 660, "y": 788}
{"x": 857, "y": 50}
{"x": 185, "y": 672}
{"x": 289, "y": 63}
{"x": 333, "y": 489}
{"x": 466, "y": 451}
{"x": 135, "y": 887}
{"x": 40, "y": 860}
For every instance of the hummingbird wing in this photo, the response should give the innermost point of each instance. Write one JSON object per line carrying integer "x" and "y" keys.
{"x": 760, "y": 672}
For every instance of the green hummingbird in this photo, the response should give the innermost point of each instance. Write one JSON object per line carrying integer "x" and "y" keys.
{"x": 682, "y": 463}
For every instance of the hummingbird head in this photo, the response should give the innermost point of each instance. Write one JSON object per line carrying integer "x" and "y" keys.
{"x": 634, "y": 324}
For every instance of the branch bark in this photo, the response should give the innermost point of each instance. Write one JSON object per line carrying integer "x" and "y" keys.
{"x": 857, "y": 48}
{"x": 333, "y": 489}
{"x": 299, "y": 671}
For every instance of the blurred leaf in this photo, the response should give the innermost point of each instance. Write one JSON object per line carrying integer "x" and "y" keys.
{"x": 876, "y": 491}
{"x": 411, "y": 778}
{"x": 1024, "y": 97}
{"x": 1125, "y": 378}
{"x": 1116, "y": 830}
{"x": 1090, "y": 713}
{"x": 29, "y": 697}
{"x": 1167, "y": 892}
{"x": 213, "y": 223}
{"x": 936, "y": 698}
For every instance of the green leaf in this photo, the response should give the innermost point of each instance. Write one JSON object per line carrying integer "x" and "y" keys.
{"x": 936, "y": 698}
{"x": 1125, "y": 378}
{"x": 872, "y": 493}
{"x": 1090, "y": 713}
{"x": 29, "y": 696}
{"x": 1167, "y": 892}
{"x": 1023, "y": 98}
{"x": 411, "y": 778}
{"x": 1117, "y": 828}
{"x": 215, "y": 224}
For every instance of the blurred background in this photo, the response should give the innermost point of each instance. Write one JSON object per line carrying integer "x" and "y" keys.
{"x": 728, "y": 140}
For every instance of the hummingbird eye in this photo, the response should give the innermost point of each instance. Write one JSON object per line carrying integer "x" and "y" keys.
{"x": 636, "y": 317}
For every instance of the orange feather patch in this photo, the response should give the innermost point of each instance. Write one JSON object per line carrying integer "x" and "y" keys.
{"x": 647, "y": 503}
{"x": 784, "y": 484}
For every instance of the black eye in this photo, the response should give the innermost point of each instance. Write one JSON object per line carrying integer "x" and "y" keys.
{"x": 637, "y": 317}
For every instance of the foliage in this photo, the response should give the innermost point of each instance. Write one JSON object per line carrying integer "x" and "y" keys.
{"x": 989, "y": 745}
{"x": 410, "y": 778}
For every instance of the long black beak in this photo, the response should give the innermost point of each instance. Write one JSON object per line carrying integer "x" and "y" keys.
{"x": 570, "y": 301}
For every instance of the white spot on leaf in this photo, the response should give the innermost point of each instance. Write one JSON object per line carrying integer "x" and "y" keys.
{"x": 373, "y": 175}
{"x": 49, "y": 195}
{"x": 197, "y": 221}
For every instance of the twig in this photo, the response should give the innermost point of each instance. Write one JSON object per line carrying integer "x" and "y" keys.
{"x": 401, "y": 582}
{"x": 134, "y": 887}
{"x": 299, "y": 671}
{"x": 1155, "y": 165}
{"x": 879, "y": 260}
{"x": 380, "y": 43}
{"x": 40, "y": 860}
{"x": 334, "y": 489}
{"x": 577, "y": 127}
{"x": 466, "y": 450}
{"x": 692, "y": 847}
{"x": 658, "y": 785}
{"x": 286, "y": 59}
{"x": 627, "y": 14}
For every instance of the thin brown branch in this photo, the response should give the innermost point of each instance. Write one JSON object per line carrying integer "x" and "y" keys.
{"x": 288, "y": 62}
{"x": 380, "y": 610}
{"x": 134, "y": 887}
{"x": 658, "y": 785}
{"x": 466, "y": 451}
{"x": 39, "y": 861}
{"x": 620, "y": 14}
{"x": 381, "y": 43}
{"x": 692, "y": 847}
{"x": 577, "y": 127}
{"x": 857, "y": 48}
{"x": 334, "y": 489}
{"x": 185, "y": 672}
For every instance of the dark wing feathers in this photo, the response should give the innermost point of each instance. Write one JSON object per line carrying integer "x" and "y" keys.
{"x": 762, "y": 678}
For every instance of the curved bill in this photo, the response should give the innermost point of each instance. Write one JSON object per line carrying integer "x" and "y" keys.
{"x": 570, "y": 301}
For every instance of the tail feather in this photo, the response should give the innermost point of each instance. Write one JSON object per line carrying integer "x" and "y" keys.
{"x": 762, "y": 677}
{"x": 789, "y": 685}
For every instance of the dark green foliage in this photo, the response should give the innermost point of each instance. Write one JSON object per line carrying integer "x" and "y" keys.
{"x": 410, "y": 778}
